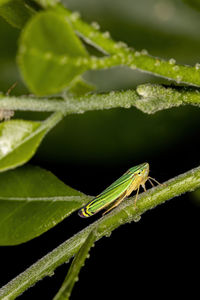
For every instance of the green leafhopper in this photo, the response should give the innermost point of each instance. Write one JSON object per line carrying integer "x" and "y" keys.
{"x": 118, "y": 190}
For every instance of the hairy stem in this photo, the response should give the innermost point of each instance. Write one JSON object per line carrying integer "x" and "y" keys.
{"x": 124, "y": 213}
{"x": 120, "y": 54}
{"x": 149, "y": 98}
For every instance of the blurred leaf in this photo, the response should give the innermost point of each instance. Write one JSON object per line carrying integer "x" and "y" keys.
{"x": 81, "y": 87}
{"x": 147, "y": 24}
{"x": 47, "y": 54}
{"x": 19, "y": 139}
{"x": 32, "y": 200}
{"x": 15, "y": 12}
{"x": 78, "y": 262}
{"x": 193, "y": 3}
{"x": 47, "y": 3}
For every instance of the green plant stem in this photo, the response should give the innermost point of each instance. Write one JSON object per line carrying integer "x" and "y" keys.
{"x": 78, "y": 262}
{"x": 120, "y": 54}
{"x": 69, "y": 104}
{"x": 148, "y": 98}
{"x": 124, "y": 213}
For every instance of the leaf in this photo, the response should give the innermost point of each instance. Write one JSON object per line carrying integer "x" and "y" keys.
{"x": 78, "y": 262}
{"x": 15, "y": 12}
{"x": 80, "y": 87}
{"x": 32, "y": 200}
{"x": 193, "y": 3}
{"x": 50, "y": 55}
{"x": 47, "y": 3}
{"x": 19, "y": 140}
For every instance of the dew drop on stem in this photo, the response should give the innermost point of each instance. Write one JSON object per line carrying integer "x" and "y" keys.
{"x": 106, "y": 34}
{"x": 197, "y": 66}
{"x": 137, "y": 218}
{"x": 95, "y": 25}
{"x": 75, "y": 16}
{"x": 172, "y": 61}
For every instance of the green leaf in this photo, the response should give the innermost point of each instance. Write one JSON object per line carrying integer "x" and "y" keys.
{"x": 50, "y": 57}
{"x": 80, "y": 87}
{"x": 47, "y": 3}
{"x": 193, "y": 3}
{"x": 32, "y": 200}
{"x": 19, "y": 140}
{"x": 78, "y": 262}
{"x": 15, "y": 12}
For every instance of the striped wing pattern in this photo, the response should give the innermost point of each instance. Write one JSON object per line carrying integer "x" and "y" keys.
{"x": 110, "y": 194}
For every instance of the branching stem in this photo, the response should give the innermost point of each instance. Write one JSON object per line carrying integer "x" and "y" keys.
{"x": 149, "y": 98}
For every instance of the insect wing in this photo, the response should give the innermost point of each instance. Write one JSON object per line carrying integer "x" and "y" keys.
{"x": 109, "y": 195}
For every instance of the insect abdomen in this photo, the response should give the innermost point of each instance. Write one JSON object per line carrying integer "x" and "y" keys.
{"x": 83, "y": 213}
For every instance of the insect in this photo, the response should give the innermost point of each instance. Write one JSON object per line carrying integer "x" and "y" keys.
{"x": 119, "y": 190}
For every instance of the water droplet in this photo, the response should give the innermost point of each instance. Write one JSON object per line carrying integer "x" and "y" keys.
{"x": 121, "y": 44}
{"x": 130, "y": 57}
{"x": 121, "y": 221}
{"x": 197, "y": 66}
{"x": 108, "y": 234}
{"x": 172, "y": 61}
{"x": 50, "y": 274}
{"x": 133, "y": 67}
{"x": 127, "y": 105}
{"x": 144, "y": 52}
{"x": 76, "y": 279}
{"x": 176, "y": 68}
{"x": 66, "y": 262}
{"x": 92, "y": 34}
{"x": 88, "y": 255}
{"x": 48, "y": 55}
{"x": 178, "y": 79}
{"x": 106, "y": 34}
{"x": 63, "y": 60}
{"x": 157, "y": 63}
{"x": 75, "y": 16}
{"x": 137, "y": 218}
{"x": 137, "y": 53}
{"x": 95, "y": 25}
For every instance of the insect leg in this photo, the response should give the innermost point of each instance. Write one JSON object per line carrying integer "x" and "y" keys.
{"x": 144, "y": 187}
{"x": 151, "y": 182}
{"x": 154, "y": 180}
{"x": 137, "y": 195}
